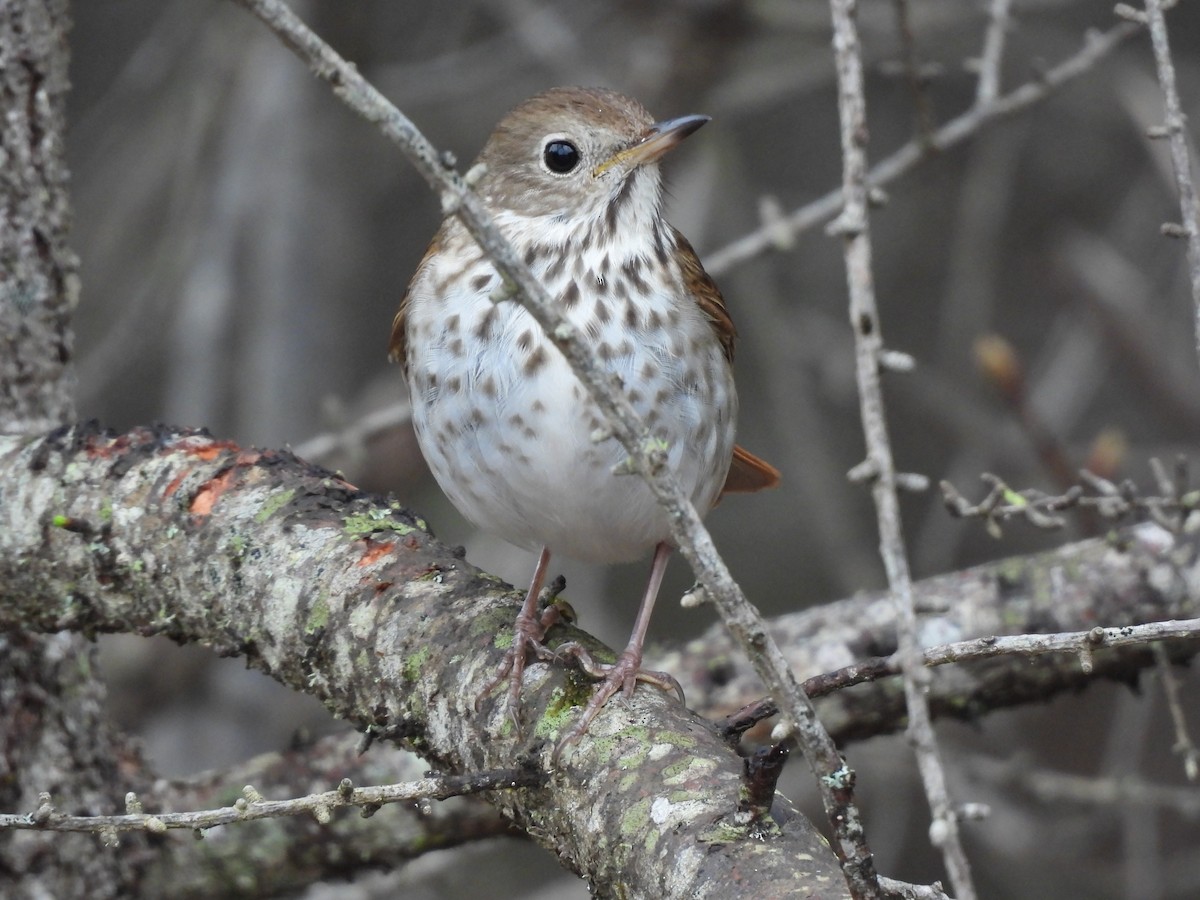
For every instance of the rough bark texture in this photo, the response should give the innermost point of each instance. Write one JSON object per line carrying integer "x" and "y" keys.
{"x": 1144, "y": 575}
{"x": 38, "y": 281}
{"x": 350, "y": 599}
{"x": 53, "y": 736}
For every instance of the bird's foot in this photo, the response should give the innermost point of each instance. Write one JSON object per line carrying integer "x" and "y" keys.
{"x": 623, "y": 675}
{"x": 528, "y": 636}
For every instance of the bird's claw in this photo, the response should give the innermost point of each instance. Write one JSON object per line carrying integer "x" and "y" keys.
{"x": 623, "y": 676}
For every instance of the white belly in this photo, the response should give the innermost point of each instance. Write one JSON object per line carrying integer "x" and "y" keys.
{"x": 507, "y": 429}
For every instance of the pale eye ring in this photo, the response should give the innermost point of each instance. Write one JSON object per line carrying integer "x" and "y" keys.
{"x": 560, "y": 156}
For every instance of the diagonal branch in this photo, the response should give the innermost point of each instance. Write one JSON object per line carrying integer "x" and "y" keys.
{"x": 348, "y": 598}
{"x": 1096, "y": 46}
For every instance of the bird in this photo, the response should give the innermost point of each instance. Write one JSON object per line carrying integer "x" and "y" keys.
{"x": 572, "y": 179}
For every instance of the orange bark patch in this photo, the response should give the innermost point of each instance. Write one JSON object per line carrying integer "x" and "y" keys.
{"x": 208, "y": 495}
{"x": 174, "y": 484}
{"x": 208, "y": 449}
{"x": 375, "y": 551}
{"x": 210, "y": 492}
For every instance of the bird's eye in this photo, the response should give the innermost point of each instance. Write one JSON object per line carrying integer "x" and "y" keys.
{"x": 561, "y": 156}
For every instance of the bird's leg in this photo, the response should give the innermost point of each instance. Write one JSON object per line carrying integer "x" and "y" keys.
{"x": 627, "y": 671}
{"x": 528, "y": 633}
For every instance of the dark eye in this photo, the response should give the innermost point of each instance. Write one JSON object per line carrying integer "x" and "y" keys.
{"x": 561, "y": 156}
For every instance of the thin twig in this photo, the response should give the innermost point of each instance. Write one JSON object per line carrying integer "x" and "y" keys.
{"x": 1110, "y": 501}
{"x": 988, "y": 87}
{"x": 1082, "y": 643}
{"x": 1173, "y": 130}
{"x": 913, "y": 75}
{"x": 853, "y": 226}
{"x": 834, "y": 779}
{"x": 320, "y": 447}
{"x": 1184, "y": 745}
{"x": 767, "y": 236}
{"x": 1114, "y": 793}
{"x": 251, "y": 804}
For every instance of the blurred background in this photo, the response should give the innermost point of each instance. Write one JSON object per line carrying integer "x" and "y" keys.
{"x": 245, "y": 241}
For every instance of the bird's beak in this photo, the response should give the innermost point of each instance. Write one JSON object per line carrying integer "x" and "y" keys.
{"x": 658, "y": 139}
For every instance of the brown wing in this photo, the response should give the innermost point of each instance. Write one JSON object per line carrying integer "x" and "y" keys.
{"x": 707, "y": 294}
{"x": 748, "y": 473}
{"x": 397, "y": 344}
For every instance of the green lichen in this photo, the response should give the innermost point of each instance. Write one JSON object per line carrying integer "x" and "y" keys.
{"x": 238, "y": 545}
{"x": 686, "y": 768}
{"x": 106, "y": 510}
{"x": 635, "y": 818}
{"x": 414, "y": 664}
{"x": 575, "y": 692}
{"x": 374, "y": 520}
{"x": 318, "y": 615}
{"x": 504, "y": 640}
{"x": 395, "y": 506}
{"x": 274, "y": 503}
{"x": 497, "y": 620}
{"x": 557, "y": 717}
{"x": 722, "y": 833}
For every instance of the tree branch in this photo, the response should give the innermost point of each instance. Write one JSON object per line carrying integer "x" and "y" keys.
{"x": 349, "y": 598}
{"x": 1146, "y": 575}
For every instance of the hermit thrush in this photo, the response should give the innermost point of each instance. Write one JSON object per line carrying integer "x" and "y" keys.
{"x": 572, "y": 179}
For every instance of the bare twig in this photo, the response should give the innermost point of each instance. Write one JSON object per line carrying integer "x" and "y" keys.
{"x": 1082, "y": 643}
{"x": 853, "y": 226}
{"x": 1115, "y": 793}
{"x": 1173, "y": 130}
{"x": 990, "y": 60}
{"x": 835, "y": 780}
{"x": 913, "y": 74}
{"x": 1184, "y": 745}
{"x": 1111, "y": 501}
{"x": 1096, "y": 46}
{"x": 251, "y": 805}
{"x": 320, "y": 447}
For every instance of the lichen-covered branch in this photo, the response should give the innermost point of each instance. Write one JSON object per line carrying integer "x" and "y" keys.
{"x": 189, "y": 559}
{"x": 349, "y": 598}
{"x": 1147, "y": 575}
